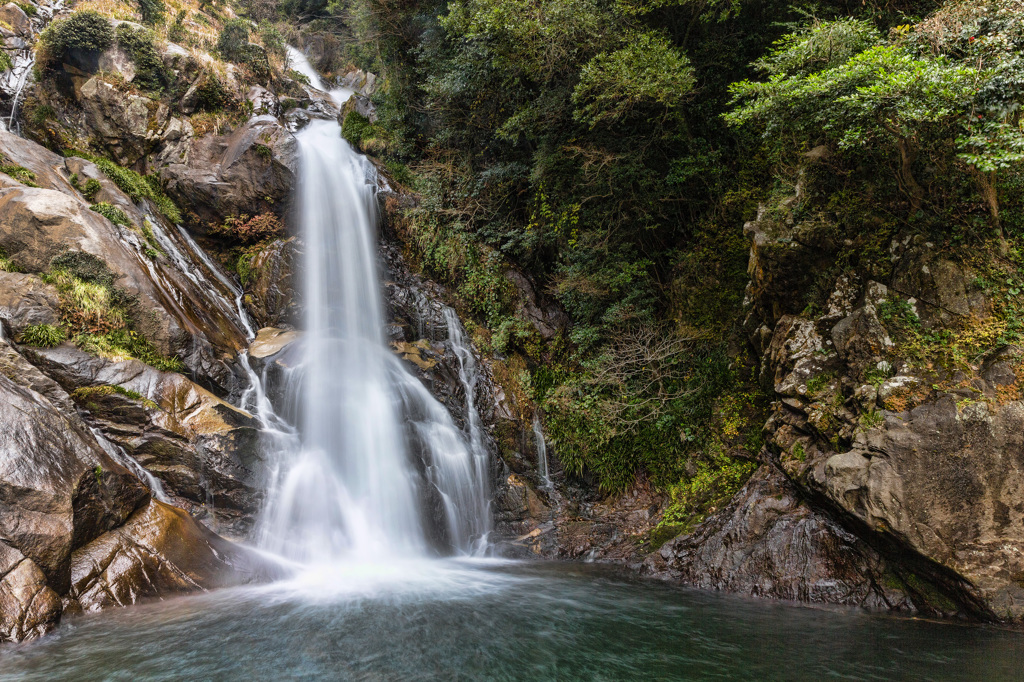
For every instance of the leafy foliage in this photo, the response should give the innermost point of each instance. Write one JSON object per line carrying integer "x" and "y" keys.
{"x": 43, "y": 335}
{"x": 150, "y": 72}
{"x": 112, "y": 213}
{"x": 84, "y": 31}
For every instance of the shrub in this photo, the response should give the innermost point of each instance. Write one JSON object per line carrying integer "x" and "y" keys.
{"x": 91, "y": 188}
{"x": 211, "y": 95}
{"x": 112, "y": 213}
{"x": 86, "y": 31}
{"x": 233, "y": 41}
{"x": 152, "y": 11}
{"x": 19, "y": 173}
{"x": 139, "y": 43}
{"x": 246, "y": 230}
{"x": 28, "y": 8}
{"x": 5, "y": 61}
{"x": 43, "y": 336}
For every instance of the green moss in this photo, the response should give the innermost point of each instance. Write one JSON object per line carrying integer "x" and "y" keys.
{"x": 19, "y": 173}
{"x": 112, "y": 213}
{"x": 135, "y": 185}
{"x": 85, "y": 393}
{"x": 43, "y": 336}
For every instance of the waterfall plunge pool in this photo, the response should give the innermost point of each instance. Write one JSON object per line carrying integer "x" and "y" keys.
{"x": 494, "y": 620}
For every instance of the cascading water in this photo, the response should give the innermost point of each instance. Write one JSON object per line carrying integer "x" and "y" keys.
{"x": 542, "y": 453}
{"x": 377, "y": 450}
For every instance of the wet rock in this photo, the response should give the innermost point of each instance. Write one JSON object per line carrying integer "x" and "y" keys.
{"x": 181, "y": 318}
{"x": 22, "y": 372}
{"x": 769, "y": 543}
{"x": 250, "y": 171}
{"x": 26, "y": 300}
{"x": 270, "y": 341}
{"x": 270, "y": 290}
{"x": 58, "y": 488}
{"x": 28, "y": 607}
{"x": 160, "y": 551}
{"x": 204, "y": 450}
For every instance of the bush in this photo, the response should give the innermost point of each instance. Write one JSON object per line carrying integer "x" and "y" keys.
{"x": 246, "y": 230}
{"x": 139, "y": 43}
{"x": 233, "y": 42}
{"x": 112, "y": 213}
{"x": 152, "y": 11}
{"x": 5, "y": 61}
{"x": 43, "y": 336}
{"x": 86, "y": 31}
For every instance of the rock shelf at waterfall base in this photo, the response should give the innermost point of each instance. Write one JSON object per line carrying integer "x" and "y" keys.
{"x": 492, "y": 340}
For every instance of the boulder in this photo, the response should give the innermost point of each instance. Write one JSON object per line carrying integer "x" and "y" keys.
{"x": 129, "y": 126}
{"x": 58, "y": 488}
{"x": 944, "y": 479}
{"x": 15, "y": 17}
{"x": 250, "y": 171}
{"x": 28, "y": 607}
{"x": 160, "y": 551}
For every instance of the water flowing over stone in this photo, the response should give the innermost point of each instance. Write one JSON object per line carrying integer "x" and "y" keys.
{"x": 380, "y": 460}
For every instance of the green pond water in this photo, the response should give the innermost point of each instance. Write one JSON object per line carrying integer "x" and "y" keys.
{"x": 480, "y": 620}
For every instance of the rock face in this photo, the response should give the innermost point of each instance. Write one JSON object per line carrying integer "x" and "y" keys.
{"x": 271, "y": 291}
{"x": 42, "y": 222}
{"x": 250, "y": 171}
{"x": 159, "y": 551}
{"x": 204, "y": 450}
{"x": 78, "y": 530}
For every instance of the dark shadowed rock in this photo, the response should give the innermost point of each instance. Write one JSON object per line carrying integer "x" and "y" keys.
{"x": 769, "y": 543}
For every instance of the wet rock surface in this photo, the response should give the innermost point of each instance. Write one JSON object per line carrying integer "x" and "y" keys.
{"x": 204, "y": 450}
{"x": 160, "y": 551}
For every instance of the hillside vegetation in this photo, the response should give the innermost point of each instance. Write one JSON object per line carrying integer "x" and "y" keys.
{"x": 613, "y": 150}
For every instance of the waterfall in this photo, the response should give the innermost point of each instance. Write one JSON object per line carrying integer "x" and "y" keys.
{"x": 378, "y": 456}
{"x": 542, "y": 453}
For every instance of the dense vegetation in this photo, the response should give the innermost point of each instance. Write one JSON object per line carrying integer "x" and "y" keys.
{"x": 613, "y": 151}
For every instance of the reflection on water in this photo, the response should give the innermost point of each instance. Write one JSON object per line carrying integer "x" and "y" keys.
{"x": 446, "y": 620}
